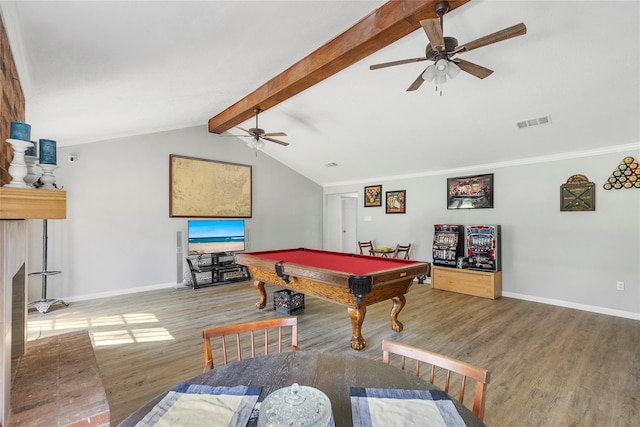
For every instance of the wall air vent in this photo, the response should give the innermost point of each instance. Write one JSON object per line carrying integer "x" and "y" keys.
{"x": 534, "y": 122}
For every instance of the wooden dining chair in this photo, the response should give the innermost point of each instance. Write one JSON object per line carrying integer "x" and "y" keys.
{"x": 247, "y": 332}
{"x": 402, "y": 249}
{"x": 366, "y": 245}
{"x": 466, "y": 370}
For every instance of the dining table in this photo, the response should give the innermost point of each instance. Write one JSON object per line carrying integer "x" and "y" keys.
{"x": 333, "y": 374}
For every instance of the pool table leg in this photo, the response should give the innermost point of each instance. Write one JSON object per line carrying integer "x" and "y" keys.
{"x": 398, "y": 303}
{"x": 259, "y": 285}
{"x": 357, "y": 317}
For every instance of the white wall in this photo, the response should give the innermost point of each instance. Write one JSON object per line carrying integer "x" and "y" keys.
{"x": 118, "y": 236}
{"x": 566, "y": 258}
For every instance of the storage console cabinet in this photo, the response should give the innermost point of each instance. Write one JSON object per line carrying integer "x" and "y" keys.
{"x": 215, "y": 269}
{"x": 486, "y": 284}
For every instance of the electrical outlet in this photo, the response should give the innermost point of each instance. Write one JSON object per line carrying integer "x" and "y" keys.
{"x": 620, "y": 286}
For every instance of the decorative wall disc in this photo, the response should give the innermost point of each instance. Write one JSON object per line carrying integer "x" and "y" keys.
{"x": 626, "y": 175}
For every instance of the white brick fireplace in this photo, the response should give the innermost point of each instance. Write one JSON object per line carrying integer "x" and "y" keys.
{"x": 13, "y": 279}
{"x": 17, "y": 205}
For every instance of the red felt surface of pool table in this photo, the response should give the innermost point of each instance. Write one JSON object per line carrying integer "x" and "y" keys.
{"x": 336, "y": 261}
{"x": 329, "y": 275}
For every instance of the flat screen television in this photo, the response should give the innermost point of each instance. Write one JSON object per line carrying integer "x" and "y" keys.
{"x": 215, "y": 235}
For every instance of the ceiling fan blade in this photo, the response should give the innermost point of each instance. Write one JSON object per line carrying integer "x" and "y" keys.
{"x": 275, "y": 134}
{"x": 392, "y": 63}
{"x": 473, "y": 69}
{"x": 434, "y": 33}
{"x": 276, "y": 141}
{"x": 517, "y": 30}
{"x": 416, "y": 83}
{"x": 245, "y": 130}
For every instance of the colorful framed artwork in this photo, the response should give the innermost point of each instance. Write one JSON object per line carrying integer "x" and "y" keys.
{"x": 396, "y": 201}
{"x": 578, "y": 194}
{"x": 373, "y": 196}
{"x": 208, "y": 188}
{"x": 470, "y": 192}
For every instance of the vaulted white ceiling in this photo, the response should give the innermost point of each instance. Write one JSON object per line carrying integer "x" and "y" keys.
{"x": 97, "y": 70}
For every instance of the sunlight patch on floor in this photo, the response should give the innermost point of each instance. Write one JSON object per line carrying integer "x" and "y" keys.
{"x": 37, "y": 328}
{"x": 129, "y": 337}
{"x": 140, "y": 318}
{"x": 46, "y": 325}
{"x": 111, "y": 338}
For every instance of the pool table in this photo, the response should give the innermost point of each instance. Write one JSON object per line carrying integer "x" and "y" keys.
{"x": 355, "y": 281}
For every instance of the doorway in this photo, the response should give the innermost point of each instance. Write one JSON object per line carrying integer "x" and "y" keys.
{"x": 341, "y": 212}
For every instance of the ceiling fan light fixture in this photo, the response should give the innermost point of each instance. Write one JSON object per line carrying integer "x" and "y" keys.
{"x": 452, "y": 69}
{"x": 441, "y": 66}
{"x": 430, "y": 73}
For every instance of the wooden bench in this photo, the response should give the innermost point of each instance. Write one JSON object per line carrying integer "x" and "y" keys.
{"x": 57, "y": 383}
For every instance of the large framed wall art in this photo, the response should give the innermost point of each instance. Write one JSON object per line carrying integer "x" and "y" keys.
{"x": 470, "y": 192}
{"x": 208, "y": 188}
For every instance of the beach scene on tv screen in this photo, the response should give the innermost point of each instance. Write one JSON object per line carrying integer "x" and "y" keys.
{"x": 210, "y": 236}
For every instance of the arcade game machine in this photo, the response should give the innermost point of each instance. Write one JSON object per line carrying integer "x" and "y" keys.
{"x": 483, "y": 247}
{"x": 448, "y": 244}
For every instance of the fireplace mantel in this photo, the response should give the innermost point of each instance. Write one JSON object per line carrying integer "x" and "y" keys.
{"x": 26, "y": 203}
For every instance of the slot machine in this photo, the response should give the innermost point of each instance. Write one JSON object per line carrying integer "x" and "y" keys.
{"x": 448, "y": 244}
{"x": 483, "y": 247}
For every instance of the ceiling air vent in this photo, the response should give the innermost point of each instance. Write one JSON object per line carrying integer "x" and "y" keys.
{"x": 534, "y": 122}
{"x": 331, "y": 165}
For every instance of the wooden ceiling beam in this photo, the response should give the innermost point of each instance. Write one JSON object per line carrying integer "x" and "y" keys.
{"x": 385, "y": 25}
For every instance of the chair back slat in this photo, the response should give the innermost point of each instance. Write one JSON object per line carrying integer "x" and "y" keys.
{"x": 402, "y": 249}
{"x": 248, "y": 331}
{"x": 266, "y": 340}
{"x": 366, "y": 245}
{"x": 465, "y": 370}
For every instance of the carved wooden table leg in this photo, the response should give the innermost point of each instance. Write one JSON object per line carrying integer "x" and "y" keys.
{"x": 357, "y": 317}
{"x": 398, "y": 303}
{"x": 259, "y": 285}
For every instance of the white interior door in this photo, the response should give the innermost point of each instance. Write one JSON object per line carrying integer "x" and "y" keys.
{"x": 349, "y": 211}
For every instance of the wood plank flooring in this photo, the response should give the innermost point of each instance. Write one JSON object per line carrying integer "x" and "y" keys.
{"x": 550, "y": 366}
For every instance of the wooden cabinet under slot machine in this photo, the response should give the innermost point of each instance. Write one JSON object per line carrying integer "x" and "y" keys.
{"x": 485, "y": 284}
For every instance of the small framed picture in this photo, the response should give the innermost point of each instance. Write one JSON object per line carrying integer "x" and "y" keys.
{"x": 578, "y": 194}
{"x": 373, "y": 196}
{"x": 396, "y": 201}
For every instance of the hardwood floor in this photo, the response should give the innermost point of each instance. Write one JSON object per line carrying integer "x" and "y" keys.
{"x": 550, "y": 366}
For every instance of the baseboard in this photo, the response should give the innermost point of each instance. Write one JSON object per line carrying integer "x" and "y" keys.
{"x": 122, "y": 292}
{"x": 559, "y": 303}
{"x": 567, "y": 304}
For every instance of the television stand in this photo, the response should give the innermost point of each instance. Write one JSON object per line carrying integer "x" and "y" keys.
{"x": 216, "y": 268}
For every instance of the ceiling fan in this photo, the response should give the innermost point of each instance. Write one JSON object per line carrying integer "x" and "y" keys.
{"x": 258, "y": 136}
{"x": 442, "y": 49}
